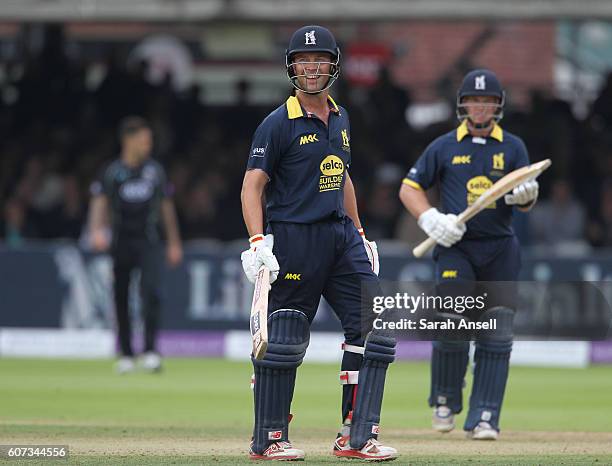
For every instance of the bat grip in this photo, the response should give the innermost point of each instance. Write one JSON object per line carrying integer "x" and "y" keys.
{"x": 421, "y": 249}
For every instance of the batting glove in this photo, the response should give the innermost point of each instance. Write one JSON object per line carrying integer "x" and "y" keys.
{"x": 444, "y": 228}
{"x": 260, "y": 253}
{"x": 372, "y": 252}
{"x": 523, "y": 194}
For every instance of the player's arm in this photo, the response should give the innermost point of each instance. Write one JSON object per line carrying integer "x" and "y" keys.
{"x": 350, "y": 202}
{"x": 266, "y": 149}
{"x": 422, "y": 176}
{"x": 252, "y": 195}
{"x": 441, "y": 227}
{"x": 173, "y": 237}
{"x": 260, "y": 251}
{"x": 168, "y": 215}
{"x": 350, "y": 207}
{"x": 414, "y": 200}
{"x": 98, "y": 221}
{"x": 264, "y": 155}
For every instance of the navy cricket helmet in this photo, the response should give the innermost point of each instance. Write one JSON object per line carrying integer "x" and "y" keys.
{"x": 481, "y": 82}
{"x": 313, "y": 39}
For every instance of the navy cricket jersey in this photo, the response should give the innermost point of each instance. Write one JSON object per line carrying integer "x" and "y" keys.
{"x": 135, "y": 196}
{"x": 464, "y": 167}
{"x": 305, "y": 160}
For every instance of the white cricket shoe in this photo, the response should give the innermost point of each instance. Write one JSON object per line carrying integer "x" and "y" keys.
{"x": 125, "y": 365}
{"x": 373, "y": 450}
{"x": 279, "y": 451}
{"x": 443, "y": 419}
{"x": 483, "y": 431}
{"x": 151, "y": 362}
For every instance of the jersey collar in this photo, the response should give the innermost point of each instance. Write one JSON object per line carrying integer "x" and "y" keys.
{"x": 294, "y": 109}
{"x": 496, "y": 132}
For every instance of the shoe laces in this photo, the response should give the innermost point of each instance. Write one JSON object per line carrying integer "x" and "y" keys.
{"x": 285, "y": 444}
{"x": 373, "y": 444}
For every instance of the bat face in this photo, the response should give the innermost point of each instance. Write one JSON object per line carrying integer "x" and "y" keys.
{"x": 257, "y": 291}
{"x": 255, "y": 321}
{"x": 259, "y": 313}
{"x": 255, "y": 324}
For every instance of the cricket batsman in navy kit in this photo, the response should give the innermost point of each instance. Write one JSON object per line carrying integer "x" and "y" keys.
{"x": 464, "y": 163}
{"x": 309, "y": 236}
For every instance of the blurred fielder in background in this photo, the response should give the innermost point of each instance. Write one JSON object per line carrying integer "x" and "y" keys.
{"x": 315, "y": 246}
{"x": 134, "y": 191}
{"x": 464, "y": 163}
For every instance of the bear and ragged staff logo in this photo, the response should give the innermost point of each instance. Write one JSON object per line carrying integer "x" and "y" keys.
{"x": 310, "y": 38}
{"x": 346, "y": 145}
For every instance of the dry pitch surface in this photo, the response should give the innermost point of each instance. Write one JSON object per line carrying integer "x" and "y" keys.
{"x": 415, "y": 447}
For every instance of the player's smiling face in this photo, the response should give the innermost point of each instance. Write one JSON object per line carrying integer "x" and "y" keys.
{"x": 480, "y": 109}
{"x": 312, "y": 70}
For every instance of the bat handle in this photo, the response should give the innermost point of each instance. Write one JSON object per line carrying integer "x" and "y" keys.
{"x": 421, "y": 249}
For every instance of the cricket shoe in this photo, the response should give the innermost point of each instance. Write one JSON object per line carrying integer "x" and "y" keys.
{"x": 151, "y": 362}
{"x": 125, "y": 365}
{"x": 279, "y": 451}
{"x": 483, "y": 431}
{"x": 373, "y": 450}
{"x": 443, "y": 419}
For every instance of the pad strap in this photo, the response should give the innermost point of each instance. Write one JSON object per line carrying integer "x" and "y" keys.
{"x": 353, "y": 348}
{"x": 349, "y": 377}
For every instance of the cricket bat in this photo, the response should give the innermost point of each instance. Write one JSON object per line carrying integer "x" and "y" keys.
{"x": 499, "y": 189}
{"x": 259, "y": 313}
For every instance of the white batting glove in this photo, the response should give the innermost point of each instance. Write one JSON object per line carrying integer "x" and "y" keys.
{"x": 260, "y": 253}
{"x": 523, "y": 194}
{"x": 441, "y": 227}
{"x": 372, "y": 252}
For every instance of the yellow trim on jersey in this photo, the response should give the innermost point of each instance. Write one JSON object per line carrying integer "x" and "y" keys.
{"x": 496, "y": 132}
{"x": 462, "y": 131}
{"x": 294, "y": 109}
{"x": 333, "y": 102}
{"x": 412, "y": 184}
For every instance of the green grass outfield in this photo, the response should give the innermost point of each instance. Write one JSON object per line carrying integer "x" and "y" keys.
{"x": 199, "y": 411}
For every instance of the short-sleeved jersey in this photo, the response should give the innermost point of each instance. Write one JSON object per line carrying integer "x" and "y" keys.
{"x": 306, "y": 162}
{"x": 135, "y": 196}
{"x": 464, "y": 167}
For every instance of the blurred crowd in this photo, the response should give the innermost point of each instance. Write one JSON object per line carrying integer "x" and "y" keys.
{"x": 57, "y": 134}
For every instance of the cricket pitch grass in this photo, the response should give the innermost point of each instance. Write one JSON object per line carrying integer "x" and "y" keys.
{"x": 199, "y": 411}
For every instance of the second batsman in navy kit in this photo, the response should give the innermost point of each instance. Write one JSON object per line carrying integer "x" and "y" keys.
{"x": 299, "y": 207}
{"x": 463, "y": 164}
{"x": 134, "y": 195}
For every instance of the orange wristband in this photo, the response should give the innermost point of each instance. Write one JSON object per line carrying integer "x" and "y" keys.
{"x": 253, "y": 239}
{"x": 361, "y": 232}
